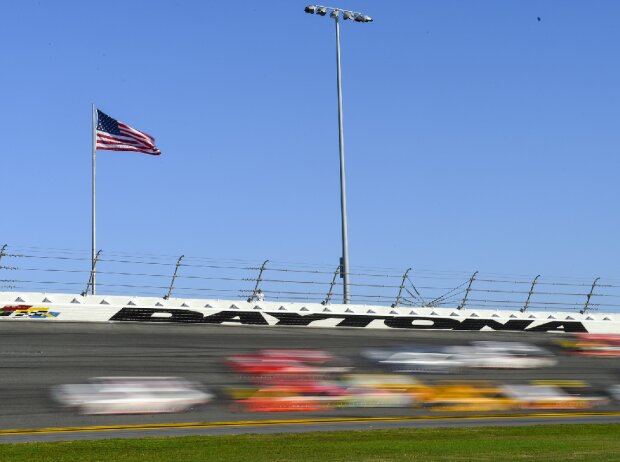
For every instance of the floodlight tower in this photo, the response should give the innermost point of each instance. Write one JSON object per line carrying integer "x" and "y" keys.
{"x": 356, "y": 16}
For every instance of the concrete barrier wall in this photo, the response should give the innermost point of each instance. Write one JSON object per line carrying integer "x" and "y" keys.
{"x": 33, "y": 306}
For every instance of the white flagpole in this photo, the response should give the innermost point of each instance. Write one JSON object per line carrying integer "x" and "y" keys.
{"x": 94, "y": 203}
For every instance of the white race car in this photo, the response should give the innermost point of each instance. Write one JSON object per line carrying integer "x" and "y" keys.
{"x": 131, "y": 395}
{"x": 429, "y": 359}
{"x": 549, "y": 397}
{"x": 505, "y": 355}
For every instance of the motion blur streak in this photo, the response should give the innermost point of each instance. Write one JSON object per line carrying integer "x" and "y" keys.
{"x": 131, "y": 395}
{"x": 306, "y": 380}
{"x": 77, "y": 375}
{"x": 593, "y": 344}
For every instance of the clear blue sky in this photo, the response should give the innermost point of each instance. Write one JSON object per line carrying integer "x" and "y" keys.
{"x": 477, "y": 136}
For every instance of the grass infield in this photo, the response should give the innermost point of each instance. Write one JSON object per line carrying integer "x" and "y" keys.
{"x": 537, "y": 443}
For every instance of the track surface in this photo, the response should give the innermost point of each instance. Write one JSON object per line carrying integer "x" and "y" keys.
{"x": 34, "y": 356}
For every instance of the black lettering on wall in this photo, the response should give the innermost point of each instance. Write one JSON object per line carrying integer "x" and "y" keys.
{"x": 146, "y": 314}
{"x": 297, "y": 319}
{"x": 241, "y": 317}
{"x": 479, "y": 324}
{"x": 421, "y": 323}
{"x": 565, "y": 326}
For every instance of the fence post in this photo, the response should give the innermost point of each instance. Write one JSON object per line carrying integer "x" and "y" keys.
{"x": 330, "y": 292}
{"x": 585, "y": 308}
{"x": 2, "y": 254}
{"x": 174, "y": 276}
{"x": 258, "y": 281}
{"x": 471, "y": 281}
{"x": 92, "y": 273}
{"x": 529, "y": 295}
{"x": 400, "y": 289}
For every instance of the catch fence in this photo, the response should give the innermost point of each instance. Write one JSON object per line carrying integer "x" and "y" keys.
{"x": 35, "y": 269}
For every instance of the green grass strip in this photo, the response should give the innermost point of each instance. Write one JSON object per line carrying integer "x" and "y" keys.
{"x": 600, "y": 442}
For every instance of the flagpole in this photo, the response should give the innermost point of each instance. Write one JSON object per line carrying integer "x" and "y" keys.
{"x": 94, "y": 203}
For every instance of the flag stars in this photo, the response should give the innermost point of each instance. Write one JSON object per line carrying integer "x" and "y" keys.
{"x": 106, "y": 123}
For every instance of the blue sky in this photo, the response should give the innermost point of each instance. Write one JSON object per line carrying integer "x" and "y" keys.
{"x": 477, "y": 136}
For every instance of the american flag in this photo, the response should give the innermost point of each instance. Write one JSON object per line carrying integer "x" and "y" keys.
{"x": 113, "y": 135}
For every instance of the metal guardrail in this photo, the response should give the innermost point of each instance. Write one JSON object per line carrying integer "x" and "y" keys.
{"x": 69, "y": 271}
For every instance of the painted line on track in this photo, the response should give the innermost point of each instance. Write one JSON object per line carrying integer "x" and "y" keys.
{"x": 320, "y": 420}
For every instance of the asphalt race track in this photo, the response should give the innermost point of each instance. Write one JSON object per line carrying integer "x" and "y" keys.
{"x": 34, "y": 356}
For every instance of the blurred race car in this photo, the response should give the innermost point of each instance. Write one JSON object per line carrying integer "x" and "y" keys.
{"x": 593, "y": 344}
{"x": 259, "y": 364}
{"x": 614, "y": 391}
{"x": 480, "y": 354}
{"x": 381, "y": 390}
{"x": 274, "y": 398}
{"x": 465, "y": 396}
{"x": 131, "y": 395}
{"x": 506, "y": 355}
{"x": 286, "y": 367}
{"x": 354, "y": 390}
{"x": 549, "y": 397}
{"x": 424, "y": 359}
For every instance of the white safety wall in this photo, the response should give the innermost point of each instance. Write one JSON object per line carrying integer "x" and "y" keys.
{"x": 50, "y": 307}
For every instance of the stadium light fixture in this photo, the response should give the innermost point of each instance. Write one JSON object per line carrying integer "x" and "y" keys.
{"x": 335, "y": 13}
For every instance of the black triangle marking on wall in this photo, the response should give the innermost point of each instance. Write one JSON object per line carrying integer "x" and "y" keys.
{"x": 570, "y": 317}
{"x": 282, "y": 308}
{"x": 495, "y": 315}
{"x": 589, "y": 318}
{"x": 75, "y": 300}
{"x": 370, "y": 312}
{"x": 606, "y": 319}
{"x": 234, "y": 307}
{"x": 513, "y": 316}
{"x": 532, "y": 316}
{"x": 208, "y": 306}
{"x": 20, "y": 300}
{"x": 256, "y": 307}
{"x": 103, "y": 302}
{"x": 433, "y": 313}
{"x": 326, "y": 310}
{"x": 454, "y": 313}
{"x": 130, "y": 303}
{"x": 303, "y": 308}
{"x": 551, "y": 317}
{"x": 348, "y": 310}
{"x": 413, "y": 312}
{"x": 474, "y": 315}
{"x": 393, "y": 312}
{"x": 184, "y": 305}
{"x": 158, "y": 304}
{"x": 47, "y": 300}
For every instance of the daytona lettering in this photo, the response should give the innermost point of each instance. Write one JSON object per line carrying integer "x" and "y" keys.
{"x": 348, "y": 320}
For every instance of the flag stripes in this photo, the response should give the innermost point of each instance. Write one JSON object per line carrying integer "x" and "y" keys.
{"x": 113, "y": 135}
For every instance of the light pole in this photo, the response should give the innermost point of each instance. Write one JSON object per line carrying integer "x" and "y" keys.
{"x": 335, "y": 13}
